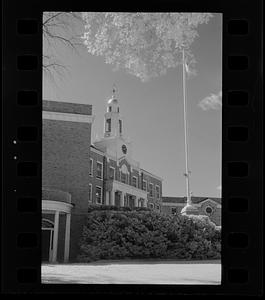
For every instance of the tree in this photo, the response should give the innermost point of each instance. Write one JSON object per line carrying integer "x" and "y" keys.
{"x": 59, "y": 28}
{"x": 145, "y": 44}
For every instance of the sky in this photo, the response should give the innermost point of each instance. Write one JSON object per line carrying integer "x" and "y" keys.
{"x": 153, "y": 111}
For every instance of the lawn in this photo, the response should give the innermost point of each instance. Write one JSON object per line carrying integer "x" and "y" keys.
{"x": 134, "y": 272}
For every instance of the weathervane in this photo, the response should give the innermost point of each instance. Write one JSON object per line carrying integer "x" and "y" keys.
{"x": 114, "y": 89}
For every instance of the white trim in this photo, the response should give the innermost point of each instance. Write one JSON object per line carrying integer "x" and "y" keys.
{"x": 92, "y": 167}
{"x": 49, "y": 205}
{"x": 124, "y": 169}
{"x": 48, "y": 221}
{"x": 133, "y": 164}
{"x": 114, "y": 171}
{"x": 97, "y": 186}
{"x": 91, "y": 193}
{"x": 51, "y": 238}
{"x": 212, "y": 210}
{"x": 60, "y": 116}
{"x": 210, "y": 200}
{"x": 55, "y": 236}
{"x": 67, "y": 237}
{"x": 97, "y": 151}
{"x": 100, "y": 178}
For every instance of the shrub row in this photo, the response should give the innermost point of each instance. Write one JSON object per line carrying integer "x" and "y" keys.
{"x": 111, "y": 234}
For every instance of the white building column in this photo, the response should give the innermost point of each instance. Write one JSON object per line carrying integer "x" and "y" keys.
{"x": 107, "y": 197}
{"x": 122, "y": 199}
{"x": 55, "y": 237}
{"x": 136, "y": 201}
{"x": 112, "y": 197}
{"x": 67, "y": 237}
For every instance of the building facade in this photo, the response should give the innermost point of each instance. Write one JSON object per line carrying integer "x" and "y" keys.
{"x": 207, "y": 206}
{"x": 76, "y": 173}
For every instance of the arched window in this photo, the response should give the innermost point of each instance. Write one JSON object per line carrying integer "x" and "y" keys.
{"x": 108, "y": 125}
{"x": 120, "y": 126}
{"x": 47, "y": 224}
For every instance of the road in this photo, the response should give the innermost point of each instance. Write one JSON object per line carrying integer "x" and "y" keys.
{"x": 137, "y": 272}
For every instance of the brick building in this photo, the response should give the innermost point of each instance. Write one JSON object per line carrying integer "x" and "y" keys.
{"x": 76, "y": 173}
{"x": 207, "y": 206}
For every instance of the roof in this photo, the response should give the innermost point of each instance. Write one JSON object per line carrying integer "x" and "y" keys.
{"x": 92, "y": 146}
{"x": 67, "y": 107}
{"x": 194, "y": 200}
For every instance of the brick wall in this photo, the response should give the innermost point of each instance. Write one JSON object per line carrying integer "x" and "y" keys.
{"x": 65, "y": 163}
{"x": 153, "y": 200}
{"x": 93, "y": 178}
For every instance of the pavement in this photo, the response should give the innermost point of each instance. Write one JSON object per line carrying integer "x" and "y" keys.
{"x": 134, "y": 272}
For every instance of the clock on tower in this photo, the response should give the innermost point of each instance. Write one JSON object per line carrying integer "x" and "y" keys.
{"x": 124, "y": 149}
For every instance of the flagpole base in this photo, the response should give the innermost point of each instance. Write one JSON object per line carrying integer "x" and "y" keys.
{"x": 189, "y": 209}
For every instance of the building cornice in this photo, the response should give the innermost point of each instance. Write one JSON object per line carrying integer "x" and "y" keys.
{"x": 59, "y": 116}
{"x": 97, "y": 151}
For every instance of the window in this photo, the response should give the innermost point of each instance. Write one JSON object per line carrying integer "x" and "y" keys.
{"x": 134, "y": 181}
{"x": 91, "y": 167}
{"x": 99, "y": 169}
{"x": 120, "y": 125}
{"x": 151, "y": 205}
{"x": 209, "y": 210}
{"x": 157, "y": 191}
{"x": 108, "y": 125}
{"x": 144, "y": 185}
{"x": 123, "y": 177}
{"x": 174, "y": 211}
{"x": 98, "y": 195}
{"x": 90, "y": 192}
{"x": 112, "y": 173}
{"x": 110, "y": 108}
{"x": 151, "y": 192}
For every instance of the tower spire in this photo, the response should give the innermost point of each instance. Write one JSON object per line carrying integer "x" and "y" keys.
{"x": 114, "y": 89}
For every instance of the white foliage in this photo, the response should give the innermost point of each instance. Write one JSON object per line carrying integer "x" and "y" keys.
{"x": 145, "y": 44}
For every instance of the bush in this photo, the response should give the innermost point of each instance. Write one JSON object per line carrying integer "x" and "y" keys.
{"x": 116, "y": 234}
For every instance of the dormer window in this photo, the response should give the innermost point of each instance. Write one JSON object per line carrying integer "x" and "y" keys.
{"x": 109, "y": 109}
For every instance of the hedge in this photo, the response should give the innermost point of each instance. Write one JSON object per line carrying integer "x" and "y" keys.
{"x": 111, "y": 234}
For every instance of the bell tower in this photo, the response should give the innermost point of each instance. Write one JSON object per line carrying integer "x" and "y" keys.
{"x": 113, "y": 123}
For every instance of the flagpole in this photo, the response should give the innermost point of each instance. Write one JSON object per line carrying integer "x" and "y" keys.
{"x": 187, "y": 174}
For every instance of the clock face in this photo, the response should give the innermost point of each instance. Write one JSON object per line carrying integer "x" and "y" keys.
{"x": 124, "y": 149}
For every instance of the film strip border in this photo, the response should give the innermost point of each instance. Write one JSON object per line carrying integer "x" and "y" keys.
{"x": 241, "y": 205}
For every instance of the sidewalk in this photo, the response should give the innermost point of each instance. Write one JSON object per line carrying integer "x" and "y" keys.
{"x": 134, "y": 272}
